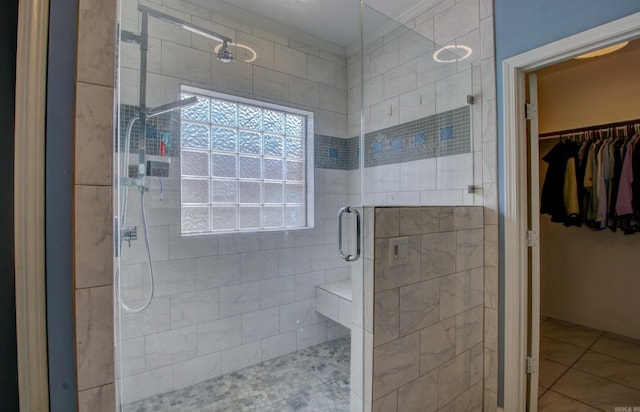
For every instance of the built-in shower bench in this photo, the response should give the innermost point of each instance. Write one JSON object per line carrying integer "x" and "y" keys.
{"x": 333, "y": 300}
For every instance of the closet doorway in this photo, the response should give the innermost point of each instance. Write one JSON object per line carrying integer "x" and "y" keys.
{"x": 589, "y": 336}
{"x": 521, "y": 243}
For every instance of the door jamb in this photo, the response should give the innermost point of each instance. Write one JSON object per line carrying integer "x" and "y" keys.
{"x": 515, "y": 184}
{"x": 31, "y": 73}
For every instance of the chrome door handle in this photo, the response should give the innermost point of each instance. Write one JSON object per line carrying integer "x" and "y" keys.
{"x": 341, "y": 213}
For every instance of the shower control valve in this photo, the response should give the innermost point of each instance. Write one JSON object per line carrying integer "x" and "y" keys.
{"x": 128, "y": 234}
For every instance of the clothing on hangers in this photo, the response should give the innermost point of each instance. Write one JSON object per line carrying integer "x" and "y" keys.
{"x": 596, "y": 181}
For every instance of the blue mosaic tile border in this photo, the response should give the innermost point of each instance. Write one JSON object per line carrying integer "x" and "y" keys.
{"x": 443, "y": 134}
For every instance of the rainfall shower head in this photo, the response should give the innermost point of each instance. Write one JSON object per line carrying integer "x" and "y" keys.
{"x": 224, "y": 54}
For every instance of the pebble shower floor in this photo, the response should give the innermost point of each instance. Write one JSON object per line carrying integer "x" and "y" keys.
{"x": 312, "y": 379}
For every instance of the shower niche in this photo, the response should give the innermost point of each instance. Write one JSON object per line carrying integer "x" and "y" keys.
{"x": 238, "y": 141}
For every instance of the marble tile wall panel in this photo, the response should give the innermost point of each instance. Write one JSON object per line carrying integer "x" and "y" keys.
{"x": 395, "y": 364}
{"x": 220, "y": 334}
{"x": 94, "y": 340}
{"x": 98, "y": 399}
{"x": 196, "y": 307}
{"x": 419, "y": 394}
{"x": 196, "y": 370}
{"x": 441, "y": 311}
{"x": 93, "y": 241}
{"x": 167, "y": 348}
{"x": 386, "y": 316}
{"x": 311, "y": 335}
{"x": 240, "y": 357}
{"x": 419, "y": 306}
{"x": 260, "y": 324}
{"x": 279, "y": 345}
{"x": 94, "y": 135}
{"x": 96, "y": 42}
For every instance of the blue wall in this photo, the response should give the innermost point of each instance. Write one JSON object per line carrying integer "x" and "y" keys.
{"x": 522, "y": 25}
{"x": 59, "y": 156}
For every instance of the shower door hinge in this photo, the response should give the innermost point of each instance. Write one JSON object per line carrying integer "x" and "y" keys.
{"x": 532, "y": 365}
{"x": 530, "y": 111}
{"x": 532, "y": 238}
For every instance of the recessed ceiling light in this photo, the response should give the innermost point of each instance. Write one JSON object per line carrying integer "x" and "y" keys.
{"x": 603, "y": 51}
{"x": 465, "y": 52}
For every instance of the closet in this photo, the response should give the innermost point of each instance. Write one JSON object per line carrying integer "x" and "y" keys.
{"x": 589, "y": 258}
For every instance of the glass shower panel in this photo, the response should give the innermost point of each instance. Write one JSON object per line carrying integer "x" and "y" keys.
{"x": 216, "y": 162}
{"x": 417, "y": 143}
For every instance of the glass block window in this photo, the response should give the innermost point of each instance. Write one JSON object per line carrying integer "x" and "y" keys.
{"x": 245, "y": 165}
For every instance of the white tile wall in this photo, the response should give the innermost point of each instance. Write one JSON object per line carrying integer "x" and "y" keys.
{"x": 170, "y": 347}
{"x": 260, "y": 324}
{"x": 196, "y": 370}
{"x": 240, "y": 357}
{"x": 196, "y": 307}
{"x": 278, "y": 345}
{"x": 291, "y": 61}
{"x": 241, "y": 298}
{"x": 219, "y": 334}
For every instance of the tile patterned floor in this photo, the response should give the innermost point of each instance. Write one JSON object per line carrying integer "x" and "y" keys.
{"x": 312, "y": 379}
{"x": 587, "y": 370}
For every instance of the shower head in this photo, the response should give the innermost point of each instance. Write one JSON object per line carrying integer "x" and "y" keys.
{"x": 172, "y": 106}
{"x": 224, "y": 54}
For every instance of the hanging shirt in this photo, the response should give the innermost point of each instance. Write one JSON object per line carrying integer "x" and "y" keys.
{"x": 603, "y": 187}
{"x": 552, "y": 198}
{"x": 625, "y": 193}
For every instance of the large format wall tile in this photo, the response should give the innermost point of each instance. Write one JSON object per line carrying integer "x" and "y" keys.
{"x": 443, "y": 313}
{"x": 93, "y": 240}
{"x": 94, "y": 336}
{"x": 99, "y": 399}
{"x": 94, "y": 135}
{"x": 395, "y": 364}
{"x": 96, "y": 39}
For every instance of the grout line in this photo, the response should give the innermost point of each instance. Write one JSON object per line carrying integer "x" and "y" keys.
{"x": 577, "y": 360}
{"x": 577, "y": 400}
{"x": 602, "y": 333}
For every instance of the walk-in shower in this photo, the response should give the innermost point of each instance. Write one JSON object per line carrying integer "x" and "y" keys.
{"x": 244, "y": 290}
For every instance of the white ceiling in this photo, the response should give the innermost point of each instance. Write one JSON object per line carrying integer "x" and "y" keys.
{"x": 333, "y": 21}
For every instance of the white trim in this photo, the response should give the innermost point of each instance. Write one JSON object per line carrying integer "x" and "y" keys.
{"x": 31, "y": 65}
{"x": 534, "y": 245}
{"x": 515, "y": 184}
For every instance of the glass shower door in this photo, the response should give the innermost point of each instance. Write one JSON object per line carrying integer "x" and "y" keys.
{"x": 231, "y": 292}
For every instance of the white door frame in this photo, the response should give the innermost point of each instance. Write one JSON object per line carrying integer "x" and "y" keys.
{"x": 515, "y": 186}
{"x": 29, "y": 232}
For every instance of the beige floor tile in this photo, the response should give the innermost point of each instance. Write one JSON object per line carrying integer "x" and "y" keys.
{"x": 541, "y": 391}
{"x": 577, "y": 335}
{"x": 554, "y": 402}
{"x": 549, "y": 372}
{"x": 618, "y": 347}
{"x": 559, "y": 352}
{"x": 614, "y": 369}
{"x": 596, "y": 391}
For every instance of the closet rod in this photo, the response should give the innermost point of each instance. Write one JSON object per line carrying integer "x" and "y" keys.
{"x": 552, "y": 135}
